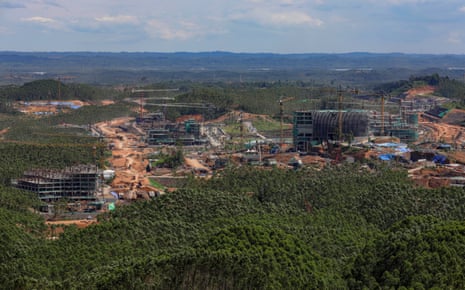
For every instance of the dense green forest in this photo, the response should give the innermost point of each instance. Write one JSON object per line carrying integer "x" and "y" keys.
{"x": 49, "y": 89}
{"x": 342, "y": 227}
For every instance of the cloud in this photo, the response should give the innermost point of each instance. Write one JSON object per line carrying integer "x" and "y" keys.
{"x": 45, "y": 4}
{"x": 454, "y": 38}
{"x": 10, "y": 5}
{"x": 46, "y": 22}
{"x": 277, "y": 13}
{"x": 287, "y": 3}
{"x": 277, "y": 2}
{"x": 181, "y": 31}
{"x": 213, "y": 24}
{"x": 52, "y": 3}
{"x": 115, "y": 24}
{"x": 400, "y": 2}
{"x": 291, "y": 18}
{"x": 39, "y": 19}
{"x": 278, "y": 18}
{"x": 118, "y": 19}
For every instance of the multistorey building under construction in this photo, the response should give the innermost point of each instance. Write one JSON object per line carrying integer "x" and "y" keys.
{"x": 76, "y": 183}
{"x": 187, "y": 133}
{"x": 314, "y": 127}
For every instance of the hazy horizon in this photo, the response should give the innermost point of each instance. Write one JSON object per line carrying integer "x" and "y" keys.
{"x": 229, "y": 52}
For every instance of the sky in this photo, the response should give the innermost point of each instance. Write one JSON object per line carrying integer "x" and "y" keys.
{"x": 275, "y": 26}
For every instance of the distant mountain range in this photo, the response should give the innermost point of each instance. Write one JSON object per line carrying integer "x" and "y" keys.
{"x": 108, "y": 67}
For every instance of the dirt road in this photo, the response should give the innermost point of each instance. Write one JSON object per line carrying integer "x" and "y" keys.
{"x": 444, "y": 133}
{"x": 130, "y": 174}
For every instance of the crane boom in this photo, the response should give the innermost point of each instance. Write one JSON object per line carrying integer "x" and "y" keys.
{"x": 185, "y": 105}
{"x": 141, "y": 93}
{"x": 152, "y": 90}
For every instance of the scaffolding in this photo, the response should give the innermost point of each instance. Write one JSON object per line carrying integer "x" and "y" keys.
{"x": 76, "y": 183}
{"x": 151, "y": 120}
{"x": 400, "y": 120}
{"x": 187, "y": 134}
{"x": 192, "y": 127}
{"x": 303, "y": 130}
{"x": 312, "y": 127}
{"x": 403, "y": 125}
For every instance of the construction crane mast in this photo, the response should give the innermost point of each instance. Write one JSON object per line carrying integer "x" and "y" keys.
{"x": 281, "y": 116}
{"x": 340, "y": 119}
{"x": 241, "y": 128}
{"x": 382, "y": 115}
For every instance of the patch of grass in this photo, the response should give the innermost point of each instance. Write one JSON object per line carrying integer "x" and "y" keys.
{"x": 264, "y": 124}
{"x": 232, "y": 129}
{"x": 156, "y": 184}
{"x": 260, "y": 123}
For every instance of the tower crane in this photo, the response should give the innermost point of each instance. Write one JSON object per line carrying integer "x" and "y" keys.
{"x": 241, "y": 128}
{"x": 382, "y": 115}
{"x": 281, "y": 116}
{"x": 141, "y": 93}
{"x": 340, "y": 119}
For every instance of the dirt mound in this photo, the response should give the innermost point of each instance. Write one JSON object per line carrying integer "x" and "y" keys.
{"x": 106, "y": 102}
{"x": 55, "y": 228}
{"x": 420, "y": 91}
{"x": 118, "y": 162}
{"x": 455, "y": 117}
{"x": 457, "y": 156}
{"x": 197, "y": 118}
{"x": 4, "y": 131}
{"x": 194, "y": 163}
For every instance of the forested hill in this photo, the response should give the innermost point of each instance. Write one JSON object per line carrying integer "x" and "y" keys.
{"x": 346, "y": 227}
{"x": 105, "y": 67}
{"x": 444, "y": 87}
{"x": 228, "y": 60}
{"x": 221, "y": 60}
{"x": 49, "y": 89}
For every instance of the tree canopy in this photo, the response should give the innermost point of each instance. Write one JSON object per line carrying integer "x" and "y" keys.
{"x": 341, "y": 227}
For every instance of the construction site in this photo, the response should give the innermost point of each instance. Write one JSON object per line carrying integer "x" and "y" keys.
{"x": 73, "y": 183}
{"x": 420, "y": 135}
